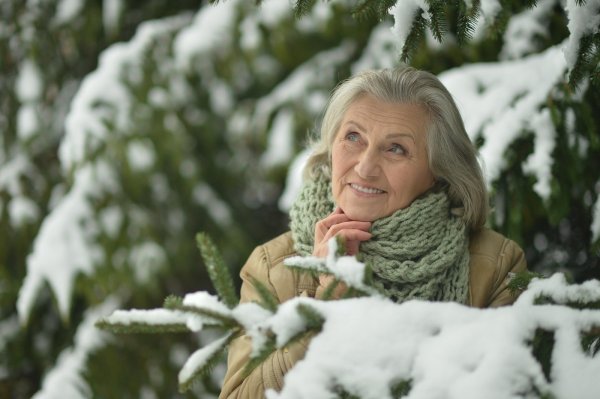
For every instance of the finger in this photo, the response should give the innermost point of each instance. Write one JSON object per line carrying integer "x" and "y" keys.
{"x": 349, "y": 235}
{"x": 337, "y": 228}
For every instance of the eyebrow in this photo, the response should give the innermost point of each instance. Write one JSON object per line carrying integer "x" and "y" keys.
{"x": 388, "y": 136}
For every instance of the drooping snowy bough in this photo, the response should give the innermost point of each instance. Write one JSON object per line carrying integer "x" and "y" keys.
{"x": 544, "y": 346}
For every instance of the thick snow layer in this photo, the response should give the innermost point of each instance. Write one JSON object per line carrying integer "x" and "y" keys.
{"x": 446, "y": 350}
{"x": 499, "y": 101}
{"x": 584, "y": 19}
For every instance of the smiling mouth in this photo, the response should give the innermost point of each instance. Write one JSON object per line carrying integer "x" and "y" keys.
{"x": 366, "y": 190}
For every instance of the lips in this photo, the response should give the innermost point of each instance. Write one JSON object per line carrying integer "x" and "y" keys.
{"x": 366, "y": 190}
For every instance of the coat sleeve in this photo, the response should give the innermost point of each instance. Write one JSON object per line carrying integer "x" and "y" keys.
{"x": 269, "y": 374}
{"x": 511, "y": 260}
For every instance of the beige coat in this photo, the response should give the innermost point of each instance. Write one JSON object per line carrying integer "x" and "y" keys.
{"x": 492, "y": 258}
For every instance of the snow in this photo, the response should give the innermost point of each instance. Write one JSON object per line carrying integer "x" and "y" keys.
{"x": 151, "y": 317}
{"x": 68, "y": 10}
{"x": 381, "y": 50}
{"x": 65, "y": 380}
{"x": 523, "y": 28}
{"x": 204, "y": 195}
{"x": 61, "y": 250}
{"x": 557, "y": 288}
{"x": 595, "y": 227}
{"x": 27, "y": 122}
{"x": 111, "y": 13}
{"x": 499, "y": 101}
{"x": 540, "y": 161}
{"x": 293, "y": 181}
{"x": 29, "y": 83}
{"x": 209, "y": 30}
{"x": 302, "y": 81}
{"x": 198, "y": 358}
{"x": 403, "y": 13}
{"x": 22, "y": 210}
{"x": 141, "y": 155}
{"x": 584, "y": 20}
{"x": 204, "y": 300}
{"x": 280, "y": 147}
{"x": 445, "y": 349}
{"x": 146, "y": 259}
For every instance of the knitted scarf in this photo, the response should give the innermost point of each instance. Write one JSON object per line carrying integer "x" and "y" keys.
{"x": 420, "y": 252}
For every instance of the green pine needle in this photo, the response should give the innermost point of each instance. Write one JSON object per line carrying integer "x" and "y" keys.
{"x": 519, "y": 282}
{"x": 221, "y": 319}
{"x": 314, "y": 320}
{"x": 217, "y": 270}
{"x": 173, "y": 302}
{"x": 208, "y": 364}
{"x": 267, "y": 298}
{"x": 143, "y": 328}
{"x": 268, "y": 348}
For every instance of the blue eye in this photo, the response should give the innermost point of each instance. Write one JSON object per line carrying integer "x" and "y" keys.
{"x": 352, "y": 136}
{"x": 397, "y": 149}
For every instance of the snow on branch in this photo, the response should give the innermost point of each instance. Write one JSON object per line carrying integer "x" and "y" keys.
{"x": 371, "y": 347}
{"x": 501, "y": 101}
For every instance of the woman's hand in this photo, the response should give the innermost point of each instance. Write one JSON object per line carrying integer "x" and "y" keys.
{"x": 338, "y": 224}
{"x": 352, "y": 232}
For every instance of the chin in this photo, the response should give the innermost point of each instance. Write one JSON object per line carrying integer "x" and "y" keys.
{"x": 359, "y": 215}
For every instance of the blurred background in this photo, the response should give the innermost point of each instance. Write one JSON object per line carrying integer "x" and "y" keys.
{"x": 126, "y": 127}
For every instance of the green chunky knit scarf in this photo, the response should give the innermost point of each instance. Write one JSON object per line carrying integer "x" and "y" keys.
{"x": 420, "y": 252}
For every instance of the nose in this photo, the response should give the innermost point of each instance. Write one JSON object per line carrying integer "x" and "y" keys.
{"x": 368, "y": 165}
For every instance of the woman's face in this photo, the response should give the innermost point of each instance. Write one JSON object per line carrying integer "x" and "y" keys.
{"x": 379, "y": 158}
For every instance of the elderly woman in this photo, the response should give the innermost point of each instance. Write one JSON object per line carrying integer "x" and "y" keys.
{"x": 396, "y": 176}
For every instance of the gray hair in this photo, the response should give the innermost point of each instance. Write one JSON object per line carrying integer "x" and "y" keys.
{"x": 451, "y": 154}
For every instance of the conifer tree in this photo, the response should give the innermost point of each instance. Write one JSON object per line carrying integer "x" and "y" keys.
{"x": 117, "y": 155}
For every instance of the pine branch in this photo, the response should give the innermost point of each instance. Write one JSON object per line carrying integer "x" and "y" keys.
{"x": 466, "y": 20}
{"x": 303, "y": 7}
{"x": 218, "y": 319}
{"x": 415, "y": 36}
{"x": 519, "y": 281}
{"x": 437, "y": 23}
{"x": 401, "y": 388}
{"x": 144, "y": 328}
{"x": 267, "y": 298}
{"x": 266, "y": 350}
{"x": 201, "y": 362}
{"x": 217, "y": 270}
{"x": 314, "y": 320}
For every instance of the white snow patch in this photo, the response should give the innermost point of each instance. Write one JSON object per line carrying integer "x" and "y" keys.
{"x": 141, "y": 155}
{"x": 207, "y": 301}
{"x": 29, "y": 83}
{"x": 22, "y": 210}
{"x": 68, "y": 10}
{"x": 498, "y": 101}
{"x": 293, "y": 182}
{"x": 198, "y": 358}
{"x": 584, "y": 20}
{"x": 204, "y": 195}
{"x": 540, "y": 161}
{"x": 111, "y": 13}
{"x": 27, "y": 122}
{"x": 280, "y": 145}
{"x": 596, "y": 221}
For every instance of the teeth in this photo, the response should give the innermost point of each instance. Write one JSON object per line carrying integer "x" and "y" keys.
{"x": 366, "y": 190}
